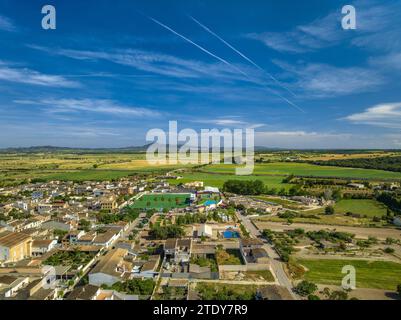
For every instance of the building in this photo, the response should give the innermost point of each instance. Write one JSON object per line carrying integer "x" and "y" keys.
{"x": 194, "y": 184}
{"x": 39, "y": 247}
{"x": 205, "y": 230}
{"x": 108, "y": 203}
{"x": 111, "y": 268}
{"x": 9, "y": 285}
{"x": 178, "y": 250}
{"x": 15, "y": 246}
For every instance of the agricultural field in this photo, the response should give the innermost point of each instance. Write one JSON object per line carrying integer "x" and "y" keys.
{"x": 305, "y": 169}
{"x": 17, "y": 168}
{"x": 217, "y": 180}
{"x": 362, "y": 210}
{"x": 369, "y": 274}
{"x": 363, "y": 207}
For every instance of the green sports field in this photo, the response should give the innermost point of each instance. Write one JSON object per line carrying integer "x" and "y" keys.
{"x": 369, "y": 274}
{"x": 162, "y": 201}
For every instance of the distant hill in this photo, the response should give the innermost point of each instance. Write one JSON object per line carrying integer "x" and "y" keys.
{"x": 53, "y": 149}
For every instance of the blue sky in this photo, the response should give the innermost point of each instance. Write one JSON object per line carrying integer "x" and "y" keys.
{"x": 112, "y": 70}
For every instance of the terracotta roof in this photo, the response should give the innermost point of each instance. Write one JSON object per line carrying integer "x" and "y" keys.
{"x": 11, "y": 239}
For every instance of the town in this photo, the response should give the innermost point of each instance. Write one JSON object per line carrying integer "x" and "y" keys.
{"x": 158, "y": 237}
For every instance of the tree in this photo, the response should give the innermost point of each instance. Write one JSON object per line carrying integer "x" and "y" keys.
{"x": 305, "y": 288}
{"x": 399, "y": 289}
{"x": 313, "y": 297}
{"x": 389, "y": 250}
{"x": 329, "y": 210}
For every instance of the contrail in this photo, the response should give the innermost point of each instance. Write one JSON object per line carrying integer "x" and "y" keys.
{"x": 241, "y": 54}
{"x": 199, "y": 46}
{"x": 218, "y": 58}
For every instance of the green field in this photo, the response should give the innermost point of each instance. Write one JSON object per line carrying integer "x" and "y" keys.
{"x": 162, "y": 201}
{"x": 369, "y": 274}
{"x": 305, "y": 169}
{"x": 369, "y": 208}
{"x": 217, "y": 180}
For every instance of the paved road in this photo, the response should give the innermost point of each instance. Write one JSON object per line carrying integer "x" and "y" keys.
{"x": 276, "y": 264}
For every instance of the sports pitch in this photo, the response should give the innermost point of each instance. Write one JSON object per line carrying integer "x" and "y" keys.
{"x": 161, "y": 201}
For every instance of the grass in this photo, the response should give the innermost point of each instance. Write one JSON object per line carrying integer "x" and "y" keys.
{"x": 266, "y": 275}
{"x": 368, "y": 207}
{"x": 228, "y": 257}
{"x": 216, "y": 291}
{"x": 305, "y": 169}
{"x": 384, "y": 275}
{"x": 217, "y": 180}
{"x": 162, "y": 201}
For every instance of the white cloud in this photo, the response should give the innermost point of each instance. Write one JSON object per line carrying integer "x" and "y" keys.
{"x": 27, "y": 76}
{"x": 322, "y": 80}
{"x": 318, "y": 34}
{"x": 66, "y": 106}
{"x": 389, "y": 62}
{"x": 6, "y": 24}
{"x": 153, "y": 62}
{"x": 386, "y": 115}
{"x": 299, "y": 139}
{"x": 376, "y": 23}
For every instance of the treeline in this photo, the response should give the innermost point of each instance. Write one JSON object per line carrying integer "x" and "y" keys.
{"x": 257, "y": 187}
{"x": 247, "y": 187}
{"x": 380, "y": 163}
{"x": 390, "y": 200}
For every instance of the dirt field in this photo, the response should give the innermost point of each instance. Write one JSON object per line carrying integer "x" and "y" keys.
{"x": 366, "y": 294}
{"x": 363, "y": 233}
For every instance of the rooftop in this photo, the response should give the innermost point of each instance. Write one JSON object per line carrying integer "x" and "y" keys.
{"x": 11, "y": 239}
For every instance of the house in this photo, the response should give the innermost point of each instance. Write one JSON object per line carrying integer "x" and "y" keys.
{"x": 36, "y": 290}
{"x": 108, "y": 203}
{"x": 194, "y": 184}
{"x": 22, "y": 205}
{"x": 149, "y": 268}
{"x": 9, "y": 285}
{"x": 86, "y": 292}
{"x": 253, "y": 252}
{"x": 58, "y": 225}
{"x": 44, "y": 208}
{"x": 178, "y": 250}
{"x": 356, "y": 185}
{"x": 39, "y": 247}
{"x": 91, "y": 292}
{"x": 106, "y": 239}
{"x": 205, "y": 230}
{"x": 15, "y": 246}
{"x": 72, "y": 237}
{"x": 111, "y": 268}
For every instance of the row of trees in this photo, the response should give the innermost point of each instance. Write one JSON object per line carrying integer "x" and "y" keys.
{"x": 381, "y": 163}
